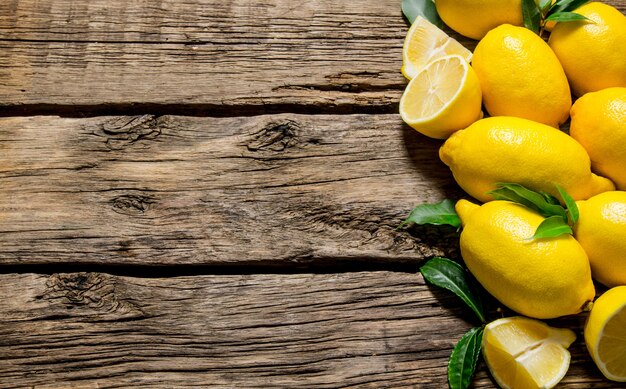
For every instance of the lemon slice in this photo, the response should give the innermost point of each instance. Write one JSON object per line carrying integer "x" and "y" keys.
{"x": 605, "y": 333}
{"x": 442, "y": 98}
{"x": 425, "y": 42}
{"x": 526, "y": 353}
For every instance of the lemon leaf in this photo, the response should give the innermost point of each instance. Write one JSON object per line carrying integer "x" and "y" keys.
{"x": 538, "y": 202}
{"x": 442, "y": 213}
{"x": 464, "y": 358}
{"x": 544, "y": 5}
{"x": 532, "y": 15}
{"x": 550, "y": 199}
{"x": 552, "y": 227}
{"x": 566, "y": 17}
{"x": 424, "y": 8}
{"x": 447, "y": 274}
{"x": 566, "y": 6}
{"x": 572, "y": 208}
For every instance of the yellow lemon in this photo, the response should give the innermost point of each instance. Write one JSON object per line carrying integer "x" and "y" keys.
{"x": 539, "y": 278}
{"x": 424, "y": 43}
{"x": 526, "y": 353}
{"x": 507, "y": 149}
{"x": 474, "y": 18}
{"x": 592, "y": 52}
{"x": 442, "y": 98}
{"x": 599, "y": 125}
{"x": 601, "y": 230}
{"x": 605, "y": 333}
{"x": 520, "y": 76}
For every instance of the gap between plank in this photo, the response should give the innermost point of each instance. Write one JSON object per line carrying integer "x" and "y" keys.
{"x": 196, "y": 110}
{"x": 156, "y": 271}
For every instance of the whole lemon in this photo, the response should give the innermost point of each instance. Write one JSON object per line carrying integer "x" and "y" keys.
{"x": 599, "y": 125}
{"x": 592, "y": 52}
{"x": 507, "y": 149}
{"x": 520, "y": 76}
{"x": 601, "y": 230}
{"x": 474, "y": 18}
{"x": 540, "y": 278}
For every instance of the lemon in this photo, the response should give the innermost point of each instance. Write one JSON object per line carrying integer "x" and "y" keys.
{"x": 526, "y": 353}
{"x": 520, "y": 76}
{"x": 474, "y": 18}
{"x": 507, "y": 149}
{"x": 539, "y": 278}
{"x": 599, "y": 124}
{"x": 601, "y": 230}
{"x": 442, "y": 98}
{"x": 425, "y": 42}
{"x": 592, "y": 52}
{"x": 605, "y": 333}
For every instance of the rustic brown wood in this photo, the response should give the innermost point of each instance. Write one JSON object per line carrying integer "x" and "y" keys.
{"x": 283, "y": 189}
{"x": 370, "y": 329}
{"x": 219, "y": 55}
{"x": 203, "y": 56}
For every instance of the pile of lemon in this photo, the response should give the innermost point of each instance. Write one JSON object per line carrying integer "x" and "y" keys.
{"x": 525, "y": 85}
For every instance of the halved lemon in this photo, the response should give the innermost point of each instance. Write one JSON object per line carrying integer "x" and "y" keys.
{"x": 425, "y": 42}
{"x": 442, "y": 98}
{"x": 526, "y": 353}
{"x": 605, "y": 333}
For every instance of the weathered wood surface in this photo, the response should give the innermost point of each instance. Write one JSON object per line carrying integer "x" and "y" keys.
{"x": 282, "y": 189}
{"x": 219, "y": 55}
{"x": 293, "y": 190}
{"x": 369, "y": 329}
{"x": 209, "y": 57}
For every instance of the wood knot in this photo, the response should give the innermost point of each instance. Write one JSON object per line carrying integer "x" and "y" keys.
{"x": 127, "y": 130}
{"x": 275, "y": 137}
{"x": 132, "y": 205}
{"x": 90, "y": 293}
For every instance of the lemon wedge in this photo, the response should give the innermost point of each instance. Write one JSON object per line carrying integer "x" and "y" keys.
{"x": 442, "y": 98}
{"x": 425, "y": 42}
{"x": 526, "y": 353}
{"x": 605, "y": 333}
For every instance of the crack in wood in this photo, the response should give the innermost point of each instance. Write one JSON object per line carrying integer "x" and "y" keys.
{"x": 275, "y": 137}
{"x": 132, "y": 204}
{"x": 122, "y": 132}
{"x": 91, "y": 294}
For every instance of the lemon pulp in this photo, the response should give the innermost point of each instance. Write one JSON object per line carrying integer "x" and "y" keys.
{"x": 526, "y": 353}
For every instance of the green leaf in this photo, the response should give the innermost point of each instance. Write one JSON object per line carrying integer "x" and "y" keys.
{"x": 464, "y": 358}
{"x": 447, "y": 274}
{"x": 552, "y": 227}
{"x": 566, "y": 17}
{"x": 566, "y": 6}
{"x": 550, "y": 199}
{"x": 442, "y": 213}
{"x": 544, "y": 5}
{"x": 532, "y": 15}
{"x": 572, "y": 208}
{"x": 424, "y": 8}
{"x": 538, "y": 202}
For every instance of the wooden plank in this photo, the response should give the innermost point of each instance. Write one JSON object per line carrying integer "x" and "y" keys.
{"x": 221, "y": 56}
{"x": 204, "y": 56}
{"x": 281, "y": 189}
{"x": 369, "y": 329}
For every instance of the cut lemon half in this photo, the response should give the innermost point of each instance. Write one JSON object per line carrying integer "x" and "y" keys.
{"x": 526, "y": 353}
{"x": 442, "y": 98}
{"x": 605, "y": 333}
{"x": 425, "y": 42}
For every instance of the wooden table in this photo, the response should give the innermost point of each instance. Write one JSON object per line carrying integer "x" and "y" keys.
{"x": 205, "y": 193}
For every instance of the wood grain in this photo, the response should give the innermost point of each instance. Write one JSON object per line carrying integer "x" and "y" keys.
{"x": 281, "y": 190}
{"x": 204, "y": 57}
{"x": 369, "y": 329}
{"x": 220, "y": 56}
